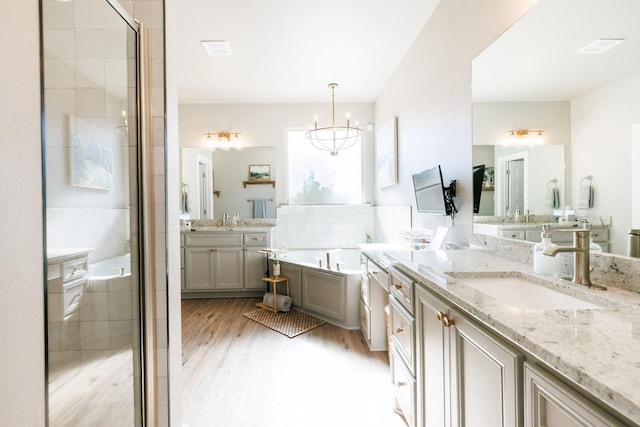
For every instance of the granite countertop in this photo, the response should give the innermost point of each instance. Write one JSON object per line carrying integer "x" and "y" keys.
{"x": 229, "y": 228}
{"x": 599, "y": 349}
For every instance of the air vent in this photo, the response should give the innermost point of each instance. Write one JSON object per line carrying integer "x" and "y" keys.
{"x": 600, "y": 46}
{"x": 216, "y": 47}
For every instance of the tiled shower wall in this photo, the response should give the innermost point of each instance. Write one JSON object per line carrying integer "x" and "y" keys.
{"x": 324, "y": 226}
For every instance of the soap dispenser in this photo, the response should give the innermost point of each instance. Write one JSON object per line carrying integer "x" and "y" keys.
{"x": 544, "y": 264}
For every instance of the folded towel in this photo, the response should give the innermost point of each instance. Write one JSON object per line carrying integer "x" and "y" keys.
{"x": 283, "y": 302}
{"x": 585, "y": 197}
{"x": 552, "y": 198}
{"x": 260, "y": 208}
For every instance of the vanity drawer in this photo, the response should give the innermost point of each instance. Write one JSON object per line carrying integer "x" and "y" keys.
{"x": 404, "y": 387}
{"x": 401, "y": 287}
{"x": 365, "y": 321}
{"x": 513, "y": 234}
{"x": 75, "y": 268}
{"x": 73, "y": 293}
{"x": 256, "y": 239}
{"x": 402, "y": 330}
{"x": 365, "y": 290}
{"x": 378, "y": 275}
{"x": 213, "y": 240}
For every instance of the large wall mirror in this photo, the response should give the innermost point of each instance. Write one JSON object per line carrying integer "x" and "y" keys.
{"x": 534, "y": 77}
{"x": 213, "y": 183}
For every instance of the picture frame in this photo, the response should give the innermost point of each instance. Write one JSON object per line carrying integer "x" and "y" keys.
{"x": 488, "y": 181}
{"x": 259, "y": 173}
{"x": 386, "y": 154}
{"x": 90, "y": 155}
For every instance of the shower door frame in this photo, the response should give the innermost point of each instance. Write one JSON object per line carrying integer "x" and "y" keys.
{"x": 147, "y": 380}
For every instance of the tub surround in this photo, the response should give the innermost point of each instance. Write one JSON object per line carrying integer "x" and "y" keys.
{"x": 597, "y": 350}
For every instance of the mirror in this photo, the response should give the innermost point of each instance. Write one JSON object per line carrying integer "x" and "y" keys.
{"x": 213, "y": 183}
{"x": 532, "y": 77}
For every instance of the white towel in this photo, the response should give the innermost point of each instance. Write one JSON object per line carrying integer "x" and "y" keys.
{"x": 283, "y": 302}
{"x": 585, "y": 197}
{"x": 259, "y": 208}
{"x": 552, "y": 198}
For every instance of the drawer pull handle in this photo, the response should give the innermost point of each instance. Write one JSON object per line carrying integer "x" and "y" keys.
{"x": 76, "y": 270}
{"x": 439, "y": 316}
{"x": 402, "y": 383}
{"x": 363, "y": 318}
{"x": 214, "y": 250}
{"x": 254, "y": 238}
{"x": 447, "y": 322}
{"x": 398, "y": 286}
{"x": 399, "y": 330}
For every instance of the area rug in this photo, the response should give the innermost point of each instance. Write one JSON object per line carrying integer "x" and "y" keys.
{"x": 289, "y": 323}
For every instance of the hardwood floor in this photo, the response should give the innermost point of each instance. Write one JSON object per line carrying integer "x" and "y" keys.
{"x": 238, "y": 373}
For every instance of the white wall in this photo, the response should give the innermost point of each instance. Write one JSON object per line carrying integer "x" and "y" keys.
{"x": 266, "y": 124}
{"x": 601, "y": 125}
{"x": 430, "y": 92}
{"x": 22, "y": 387}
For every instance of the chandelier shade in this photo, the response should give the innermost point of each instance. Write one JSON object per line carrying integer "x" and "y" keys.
{"x": 333, "y": 138}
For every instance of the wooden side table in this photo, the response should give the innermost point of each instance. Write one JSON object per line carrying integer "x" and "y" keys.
{"x": 274, "y": 283}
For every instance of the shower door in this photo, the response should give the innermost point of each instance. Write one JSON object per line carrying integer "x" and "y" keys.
{"x": 91, "y": 150}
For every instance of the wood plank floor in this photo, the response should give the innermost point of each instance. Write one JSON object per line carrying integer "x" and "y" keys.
{"x": 237, "y": 373}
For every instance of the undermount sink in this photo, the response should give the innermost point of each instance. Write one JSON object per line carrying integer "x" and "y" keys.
{"x": 519, "y": 291}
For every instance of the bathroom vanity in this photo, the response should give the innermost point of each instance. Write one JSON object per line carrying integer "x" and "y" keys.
{"x": 460, "y": 353}
{"x": 223, "y": 261}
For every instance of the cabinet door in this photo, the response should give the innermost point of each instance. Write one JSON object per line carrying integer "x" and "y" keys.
{"x": 254, "y": 268}
{"x": 324, "y": 293}
{"x": 431, "y": 364}
{"x": 485, "y": 377}
{"x": 199, "y": 268}
{"x": 549, "y": 403}
{"x": 228, "y": 268}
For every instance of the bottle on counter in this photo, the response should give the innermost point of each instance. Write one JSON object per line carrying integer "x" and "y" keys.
{"x": 594, "y": 248}
{"x": 545, "y": 264}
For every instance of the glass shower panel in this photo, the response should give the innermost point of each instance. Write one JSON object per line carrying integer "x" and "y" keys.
{"x": 91, "y": 150}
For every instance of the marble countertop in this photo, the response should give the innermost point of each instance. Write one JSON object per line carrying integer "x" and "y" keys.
{"x": 599, "y": 349}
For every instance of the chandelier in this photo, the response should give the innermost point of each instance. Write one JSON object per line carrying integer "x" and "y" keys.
{"x": 333, "y": 138}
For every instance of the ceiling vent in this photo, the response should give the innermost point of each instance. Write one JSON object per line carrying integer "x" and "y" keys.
{"x": 600, "y": 46}
{"x": 216, "y": 47}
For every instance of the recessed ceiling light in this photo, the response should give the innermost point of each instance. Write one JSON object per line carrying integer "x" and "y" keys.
{"x": 216, "y": 47}
{"x": 600, "y": 46}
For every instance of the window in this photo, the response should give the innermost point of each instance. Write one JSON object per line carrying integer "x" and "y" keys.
{"x": 316, "y": 177}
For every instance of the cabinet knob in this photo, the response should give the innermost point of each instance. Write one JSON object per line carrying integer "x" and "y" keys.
{"x": 399, "y": 330}
{"x": 398, "y": 286}
{"x": 439, "y": 316}
{"x": 447, "y": 322}
{"x": 401, "y": 383}
{"x": 214, "y": 250}
{"x": 363, "y": 318}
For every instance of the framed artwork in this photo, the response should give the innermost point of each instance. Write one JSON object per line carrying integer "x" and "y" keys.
{"x": 90, "y": 158}
{"x": 489, "y": 180}
{"x": 259, "y": 173}
{"x": 386, "y": 154}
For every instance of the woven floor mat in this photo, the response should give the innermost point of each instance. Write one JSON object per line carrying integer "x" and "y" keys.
{"x": 290, "y": 323}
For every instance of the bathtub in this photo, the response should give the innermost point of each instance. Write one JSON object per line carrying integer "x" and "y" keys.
{"x": 111, "y": 267}
{"x": 328, "y": 293}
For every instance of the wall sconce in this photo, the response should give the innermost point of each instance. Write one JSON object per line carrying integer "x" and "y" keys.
{"x": 521, "y": 136}
{"x": 224, "y": 138}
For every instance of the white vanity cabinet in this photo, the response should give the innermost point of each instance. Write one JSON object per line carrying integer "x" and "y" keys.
{"x": 225, "y": 263}
{"x": 550, "y": 403}
{"x": 465, "y": 376}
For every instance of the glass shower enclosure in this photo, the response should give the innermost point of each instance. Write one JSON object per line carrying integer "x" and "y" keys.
{"x": 91, "y": 149}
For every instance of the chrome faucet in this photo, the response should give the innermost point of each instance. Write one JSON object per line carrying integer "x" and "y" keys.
{"x": 580, "y": 249}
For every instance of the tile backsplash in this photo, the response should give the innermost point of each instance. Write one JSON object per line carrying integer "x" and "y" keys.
{"x": 324, "y": 226}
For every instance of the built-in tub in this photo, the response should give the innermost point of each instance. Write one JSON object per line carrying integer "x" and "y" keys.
{"x": 111, "y": 267}
{"x": 328, "y": 293}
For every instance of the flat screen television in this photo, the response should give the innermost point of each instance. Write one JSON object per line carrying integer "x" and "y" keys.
{"x": 430, "y": 191}
{"x": 478, "y": 178}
